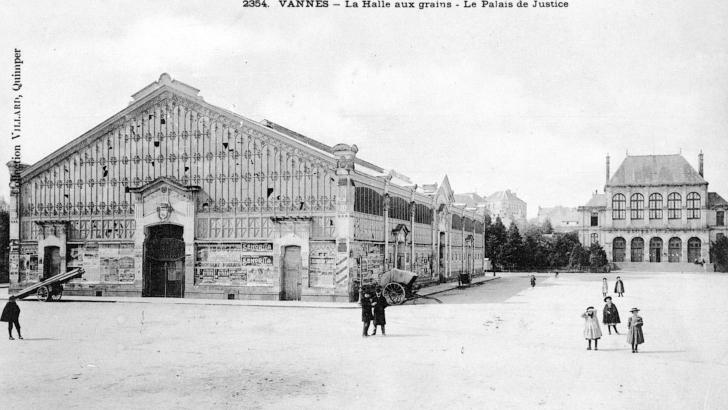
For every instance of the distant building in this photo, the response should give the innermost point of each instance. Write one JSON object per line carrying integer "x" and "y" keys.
{"x": 656, "y": 209}
{"x": 507, "y": 206}
{"x": 563, "y": 219}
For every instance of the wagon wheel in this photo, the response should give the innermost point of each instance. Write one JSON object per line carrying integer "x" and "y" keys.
{"x": 395, "y": 294}
{"x": 43, "y": 294}
{"x": 57, "y": 293}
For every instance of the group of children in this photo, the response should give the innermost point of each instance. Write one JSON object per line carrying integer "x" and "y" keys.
{"x": 372, "y": 309}
{"x": 610, "y": 317}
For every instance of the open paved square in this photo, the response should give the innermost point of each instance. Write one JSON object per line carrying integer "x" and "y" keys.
{"x": 524, "y": 350}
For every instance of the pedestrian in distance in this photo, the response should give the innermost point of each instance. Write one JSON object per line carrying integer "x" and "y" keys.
{"x": 557, "y": 274}
{"x": 610, "y": 315}
{"x": 11, "y": 314}
{"x": 380, "y": 303}
{"x": 366, "y": 313}
{"x": 605, "y": 287}
{"x": 592, "y": 331}
{"x": 619, "y": 287}
{"x": 533, "y": 281}
{"x": 635, "y": 337}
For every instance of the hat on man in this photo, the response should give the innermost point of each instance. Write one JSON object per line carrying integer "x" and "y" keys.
{"x": 608, "y": 297}
{"x": 634, "y": 310}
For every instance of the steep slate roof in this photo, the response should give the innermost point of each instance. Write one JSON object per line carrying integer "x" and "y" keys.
{"x": 597, "y": 200}
{"x": 654, "y": 170}
{"x": 470, "y": 199}
{"x": 506, "y": 195}
{"x": 715, "y": 200}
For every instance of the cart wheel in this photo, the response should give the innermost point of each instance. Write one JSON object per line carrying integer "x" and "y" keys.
{"x": 43, "y": 294}
{"x": 57, "y": 293}
{"x": 395, "y": 294}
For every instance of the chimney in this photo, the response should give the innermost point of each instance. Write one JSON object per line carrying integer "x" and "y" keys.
{"x": 700, "y": 163}
{"x": 607, "y": 180}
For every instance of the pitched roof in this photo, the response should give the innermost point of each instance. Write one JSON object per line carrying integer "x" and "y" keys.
{"x": 506, "y": 195}
{"x": 470, "y": 199}
{"x": 654, "y": 170}
{"x": 597, "y": 200}
{"x": 716, "y": 200}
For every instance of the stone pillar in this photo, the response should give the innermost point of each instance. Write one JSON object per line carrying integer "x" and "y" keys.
{"x": 387, "y": 229}
{"x": 345, "y": 266}
{"x": 412, "y": 235}
{"x": 14, "y": 218}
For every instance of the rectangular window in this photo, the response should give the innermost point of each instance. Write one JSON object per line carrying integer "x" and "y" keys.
{"x": 594, "y": 219}
{"x": 720, "y": 218}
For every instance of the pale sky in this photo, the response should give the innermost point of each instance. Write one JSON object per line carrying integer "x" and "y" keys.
{"x": 530, "y": 100}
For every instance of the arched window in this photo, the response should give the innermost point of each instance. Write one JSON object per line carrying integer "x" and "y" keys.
{"x": 637, "y": 206}
{"x": 674, "y": 249}
{"x": 693, "y": 203}
{"x": 618, "y": 249}
{"x": 655, "y": 206}
{"x": 694, "y": 249}
{"x": 674, "y": 205}
{"x": 655, "y": 250}
{"x": 619, "y": 204}
{"x": 638, "y": 249}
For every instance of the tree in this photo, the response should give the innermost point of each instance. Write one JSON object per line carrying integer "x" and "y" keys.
{"x": 513, "y": 249}
{"x": 496, "y": 241}
{"x": 719, "y": 254}
{"x": 597, "y": 256}
{"x": 561, "y": 252}
{"x": 579, "y": 257}
{"x": 547, "y": 227}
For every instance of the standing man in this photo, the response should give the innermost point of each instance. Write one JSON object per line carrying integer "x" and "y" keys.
{"x": 11, "y": 314}
{"x": 380, "y": 303}
{"x": 619, "y": 287}
{"x": 533, "y": 281}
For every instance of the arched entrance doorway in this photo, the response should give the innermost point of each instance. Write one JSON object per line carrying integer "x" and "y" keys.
{"x": 618, "y": 249}
{"x": 674, "y": 249}
{"x": 694, "y": 245}
{"x": 655, "y": 249}
{"x": 164, "y": 261}
{"x": 638, "y": 249}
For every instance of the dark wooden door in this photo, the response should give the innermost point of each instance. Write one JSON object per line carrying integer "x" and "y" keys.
{"x": 291, "y": 278}
{"x": 51, "y": 261}
{"x": 164, "y": 265}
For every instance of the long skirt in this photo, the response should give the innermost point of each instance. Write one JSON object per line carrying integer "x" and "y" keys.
{"x": 592, "y": 329}
{"x": 635, "y": 335}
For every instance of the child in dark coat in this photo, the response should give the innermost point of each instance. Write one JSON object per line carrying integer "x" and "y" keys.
{"x": 610, "y": 315}
{"x": 366, "y": 313}
{"x": 635, "y": 337}
{"x": 619, "y": 287}
{"x": 11, "y": 314}
{"x": 379, "y": 303}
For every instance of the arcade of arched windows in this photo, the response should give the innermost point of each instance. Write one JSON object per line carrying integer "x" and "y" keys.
{"x": 664, "y": 248}
{"x": 656, "y": 206}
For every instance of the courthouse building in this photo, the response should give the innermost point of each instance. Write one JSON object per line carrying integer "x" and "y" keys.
{"x": 656, "y": 209}
{"x": 175, "y": 197}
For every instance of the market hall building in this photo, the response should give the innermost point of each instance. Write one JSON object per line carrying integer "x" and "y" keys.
{"x": 656, "y": 213}
{"x": 175, "y": 197}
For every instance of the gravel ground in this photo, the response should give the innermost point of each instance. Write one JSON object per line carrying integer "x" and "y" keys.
{"x": 520, "y": 350}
